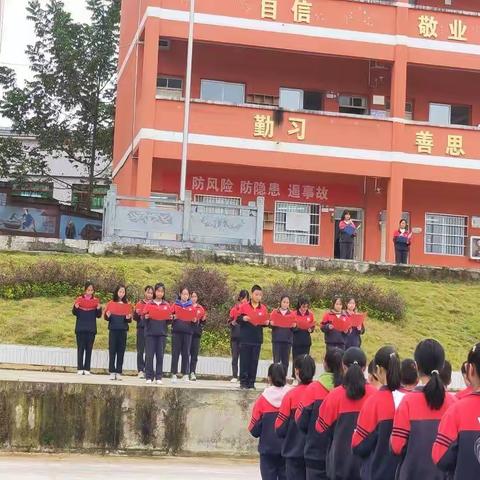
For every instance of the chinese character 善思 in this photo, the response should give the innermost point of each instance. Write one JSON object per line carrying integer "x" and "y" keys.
{"x": 455, "y": 146}
{"x": 424, "y": 142}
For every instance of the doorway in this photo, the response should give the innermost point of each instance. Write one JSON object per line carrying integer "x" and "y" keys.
{"x": 358, "y": 217}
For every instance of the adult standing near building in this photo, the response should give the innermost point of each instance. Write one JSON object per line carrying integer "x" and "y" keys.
{"x": 402, "y": 239}
{"x": 347, "y": 231}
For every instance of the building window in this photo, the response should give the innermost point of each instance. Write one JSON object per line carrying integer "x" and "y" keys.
{"x": 444, "y": 114}
{"x": 216, "y": 91}
{"x": 260, "y": 99}
{"x": 33, "y": 190}
{"x": 80, "y": 192}
{"x": 297, "y": 223}
{"x": 408, "y": 109}
{"x": 445, "y": 234}
{"x": 352, "y": 104}
{"x": 296, "y": 99}
{"x": 169, "y": 87}
{"x": 217, "y": 204}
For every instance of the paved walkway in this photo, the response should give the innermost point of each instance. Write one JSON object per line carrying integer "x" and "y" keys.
{"x": 82, "y": 467}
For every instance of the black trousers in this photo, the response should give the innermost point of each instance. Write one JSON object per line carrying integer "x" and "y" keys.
{"x": 346, "y": 250}
{"x": 181, "y": 343}
{"x": 298, "y": 350}
{"x": 331, "y": 346}
{"x": 401, "y": 256}
{"x": 295, "y": 468}
{"x": 85, "y": 341}
{"x": 235, "y": 347}
{"x": 316, "y": 470}
{"x": 141, "y": 349}
{"x": 281, "y": 354}
{"x": 154, "y": 347}
{"x": 194, "y": 349}
{"x": 117, "y": 343}
{"x": 272, "y": 467}
{"x": 249, "y": 355}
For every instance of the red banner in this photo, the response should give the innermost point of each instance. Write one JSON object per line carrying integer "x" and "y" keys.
{"x": 357, "y": 320}
{"x": 119, "y": 308}
{"x": 160, "y": 312}
{"x": 277, "y": 319}
{"x": 188, "y": 314}
{"x": 305, "y": 322}
{"x": 341, "y": 323}
{"x": 87, "y": 303}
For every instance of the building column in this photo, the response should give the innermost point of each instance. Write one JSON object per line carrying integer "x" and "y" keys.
{"x": 398, "y": 94}
{"x": 394, "y": 209}
{"x": 144, "y": 163}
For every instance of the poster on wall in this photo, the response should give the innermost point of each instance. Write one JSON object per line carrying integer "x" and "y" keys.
{"x": 28, "y": 220}
{"x": 475, "y": 248}
{"x": 80, "y": 228}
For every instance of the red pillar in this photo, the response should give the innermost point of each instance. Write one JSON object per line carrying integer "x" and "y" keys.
{"x": 394, "y": 208}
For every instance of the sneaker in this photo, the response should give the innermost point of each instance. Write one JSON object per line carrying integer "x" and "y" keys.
{"x": 174, "y": 379}
{"x": 193, "y": 377}
{"x": 80, "y": 372}
{"x": 185, "y": 378}
{"x": 87, "y": 372}
{"x": 112, "y": 376}
{"x": 149, "y": 381}
{"x": 159, "y": 381}
{"x": 141, "y": 375}
{"x": 118, "y": 376}
{"x": 234, "y": 380}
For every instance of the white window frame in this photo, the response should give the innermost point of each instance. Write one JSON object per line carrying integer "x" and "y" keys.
{"x": 465, "y": 237}
{"x": 170, "y": 92}
{"x": 299, "y": 234}
{"x": 295, "y": 90}
{"x": 222, "y": 82}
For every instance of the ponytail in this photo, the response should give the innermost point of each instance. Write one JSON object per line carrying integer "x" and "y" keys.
{"x": 354, "y": 380}
{"x": 388, "y": 359}
{"x": 334, "y": 365}
{"x": 474, "y": 358}
{"x": 430, "y": 358}
{"x": 304, "y": 366}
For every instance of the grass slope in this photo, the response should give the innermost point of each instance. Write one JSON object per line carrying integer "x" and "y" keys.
{"x": 444, "y": 311}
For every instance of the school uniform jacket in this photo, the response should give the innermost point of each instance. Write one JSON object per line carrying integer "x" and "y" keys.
{"x": 371, "y": 438}
{"x": 293, "y": 444}
{"x": 301, "y": 336}
{"x": 264, "y": 415}
{"x": 463, "y": 393}
{"x": 336, "y": 423}
{"x": 154, "y": 311}
{"x": 457, "y": 447}
{"x": 201, "y": 318}
{"x": 401, "y": 240}
{"x": 282, "y": 334}
{"x": 414, "y": 430}
{"x": 232, "y": 317}
{"x": 306, "y": 418}
{"x": 332, "y": 336}
{"x": 346, "y": 232}
{"x": 251, "y": 334}
{"x": 182, "y": 326}
{"x": 138, "y": 313}
{"x": 116, "y": 322}
{"x": 86, "y": 319}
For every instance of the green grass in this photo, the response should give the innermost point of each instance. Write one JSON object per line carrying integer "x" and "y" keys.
{"x": 442, "y": 310}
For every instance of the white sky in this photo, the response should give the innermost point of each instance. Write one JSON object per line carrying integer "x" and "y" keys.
{"x": 17, "y": 33}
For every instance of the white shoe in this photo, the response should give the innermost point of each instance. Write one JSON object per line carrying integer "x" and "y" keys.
{"x": 234, "y": 380}
{"x": 185, "y": 378}
{"x": 193, "y": 377}
{"x": 112, "y": 376}
{"x": 87, "y": 372}
{"x": 159, "y": 382}
{"x": 118, "y": 376}
{"x": 80, "y": 372}
{"x": 141, "y": 375}
{"x": 149, "y": 381}
{"x": 174, "y": 379}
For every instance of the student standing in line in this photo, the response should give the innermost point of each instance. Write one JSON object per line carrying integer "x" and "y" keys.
{"x": 157, "y": 315}
{"x": 347, "y": 231}
{"x": 409, "y": 375}
{"x": 253, "y": 318}
{"x": 456, "y": 450}
{"x": 243, "y": 297}
{"x": 372, "y": 375}
{"x": 138, "y": 317}
{"x": 371, "y": 437}
{"x": 262, "y": 424}
{"x": 468, "y": 387}
{"x": 282, "y": 322}
{"x": 353, "y": 337}
{"x": 86, "y": 309}
{"x": 184, "y": 317}
{"x": 201, "y": 318}
{"x": 402, "y": 239}
{"x": 307, "y": 413}
{"x": 302, "y": 333}
{"x": 338, "y": 416}
{"x": 416, "y": 419}
{"x": 118, "y": 314}
{"x": 293, "y": 444}
{"x": 331, "y": 322}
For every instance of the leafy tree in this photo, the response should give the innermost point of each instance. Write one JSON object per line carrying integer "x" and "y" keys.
{"x": 69, "y": 104}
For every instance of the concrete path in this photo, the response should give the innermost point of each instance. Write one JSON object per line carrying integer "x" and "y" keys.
{"x": 82, "y": 467}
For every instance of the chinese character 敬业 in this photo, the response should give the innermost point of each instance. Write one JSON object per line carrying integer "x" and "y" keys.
{"x": 269, "y": 9}
{"x": 293, "y": 190}
{"x": 226, "y": 185}
{"x": 424, "y": 141}
{"x": 427, "y": 26}
{"x": 457, "y": 31}
{"x": 322, "y": 193}
{"x": 212, "y": 184}
{"x": 263, "y": 126}
{"x": 455, "y": 146}
{"x": 198, "y": 183}
{"x": 274, "y": 190}
{"x": 301, "y": 11}
{"x": 299, "y": 127}
{"x": 246, "y": 187}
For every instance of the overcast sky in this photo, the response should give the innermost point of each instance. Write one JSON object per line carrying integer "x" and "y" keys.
{"x": 17, "y": 33}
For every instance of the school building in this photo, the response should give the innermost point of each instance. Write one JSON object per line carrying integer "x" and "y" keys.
{"x": 317, "y": 106}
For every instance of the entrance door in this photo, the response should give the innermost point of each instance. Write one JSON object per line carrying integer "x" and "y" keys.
{"x": 358, "y": 217}
{"x": 387, "y": 236}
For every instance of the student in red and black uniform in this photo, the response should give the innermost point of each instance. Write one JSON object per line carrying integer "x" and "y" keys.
{"x": 293, "y": 444}
{"x": 243, "y": 297}
{"x": 468, "y": 387}
{"x": 262, "y": 424}
{"x": 118, "y": 314}
{"x": 184, "y": 317}
{"x": 87, "y": 309}
{"x": 353, "y": 337}
{"x": 371, "y": 439}
{"x": 347, "y": 231}
{"x": 201, "y": 316}
{"x": 338, "y": 416}
{"x": 335, "y": 338}
{"x": 416, "y": 420}
{"x": 456, "y": 450}
{"x": 302, "y": 333}
{"x": 402, "y": 239}
{"x": 282, "y": 322}
{"x": 307, "y": 413}
{"x": 138, "y": 317}
{"x": 157, "y": 315}
{"x": 408, "y": 375}
{"x": 253, "y": 318}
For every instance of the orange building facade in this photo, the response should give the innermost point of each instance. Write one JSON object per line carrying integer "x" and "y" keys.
{"x": 317, "y": 106}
